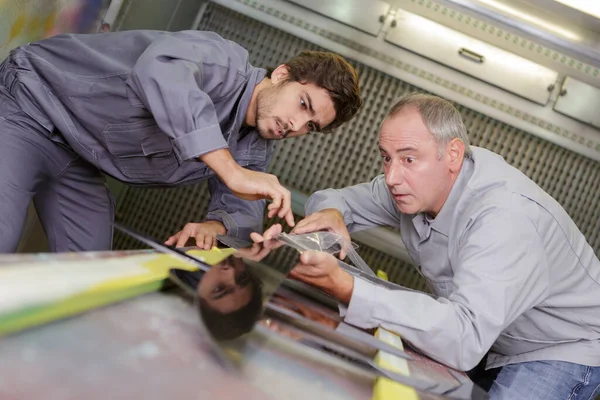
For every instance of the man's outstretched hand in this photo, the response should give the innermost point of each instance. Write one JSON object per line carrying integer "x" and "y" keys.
{"x": 203, "y": 233}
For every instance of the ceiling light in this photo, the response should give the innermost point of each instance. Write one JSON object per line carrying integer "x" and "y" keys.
{"x": 535, "y": 20}
{"x": 590, "y": 7}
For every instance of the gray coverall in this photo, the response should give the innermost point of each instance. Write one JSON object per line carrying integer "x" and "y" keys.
{"x": 141, "y": 106}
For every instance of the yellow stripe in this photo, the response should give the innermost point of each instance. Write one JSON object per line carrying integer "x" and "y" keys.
{"x": 381, "y": 274}
{"x": 107, "y": 292}
{"x": 35, "y": 316}
{"x": 386, "y": 389}
{"x": 162, "y": 263}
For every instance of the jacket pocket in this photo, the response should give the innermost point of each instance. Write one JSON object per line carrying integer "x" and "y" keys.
{"x": 252, "y": 150}
{"x": 141, "y": 150}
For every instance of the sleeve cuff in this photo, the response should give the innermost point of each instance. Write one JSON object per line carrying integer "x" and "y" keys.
{"x": 226, "y": 219}
{"x": 360, "y": 310}
{"x": 202, "y": 141}
{"x": 240, "y": 229}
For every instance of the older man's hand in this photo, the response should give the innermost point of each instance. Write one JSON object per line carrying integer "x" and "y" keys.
{"x": 329, "y": 219}
{"x": 321, "y": 270}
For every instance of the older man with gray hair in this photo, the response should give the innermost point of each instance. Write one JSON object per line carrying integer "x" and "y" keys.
{"x": 513, "y": 276}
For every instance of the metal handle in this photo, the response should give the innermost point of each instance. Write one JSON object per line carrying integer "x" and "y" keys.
{"x": 471, "y": 55}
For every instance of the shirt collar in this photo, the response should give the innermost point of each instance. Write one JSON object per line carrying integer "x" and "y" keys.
{"x": 256, "y": 76}
{"x": 422, "y": 226}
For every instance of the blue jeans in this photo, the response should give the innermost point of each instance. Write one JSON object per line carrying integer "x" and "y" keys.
{"x": 546, "y": 380}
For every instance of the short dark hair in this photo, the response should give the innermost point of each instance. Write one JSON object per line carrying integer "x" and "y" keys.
{"x": 228, "y": 326}
{"x": 333, "y": 73}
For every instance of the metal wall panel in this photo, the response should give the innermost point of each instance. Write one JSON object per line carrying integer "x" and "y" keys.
{"x": 579, "y": 100}
{"x": 350, "y": 155}
{"x": 366, "y": 15}
{"x": 472, "y": 56}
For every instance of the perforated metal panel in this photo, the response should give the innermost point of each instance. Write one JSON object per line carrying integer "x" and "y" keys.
{"x": 350, "y": 155}
{"x": 159, "y": 212}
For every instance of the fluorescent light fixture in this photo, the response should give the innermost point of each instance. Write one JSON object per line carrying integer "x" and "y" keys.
{"x": 535, "y": 20}
{"x": 591, "y": 7}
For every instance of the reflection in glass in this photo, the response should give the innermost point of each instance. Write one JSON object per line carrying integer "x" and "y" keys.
{"x": 304, "y": 310}
{"x": 230, "y": 299}
{"x": 231, "y": 294}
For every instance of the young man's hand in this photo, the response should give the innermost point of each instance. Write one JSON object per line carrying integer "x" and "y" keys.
{"x": 269, "y": 233}
{"x": 204, "y": 233}
{"x": 258, "y": 251}
{"x": 329, "y": 219}
{"x": 251, "y": 185}
{"x": 321, "y": 270}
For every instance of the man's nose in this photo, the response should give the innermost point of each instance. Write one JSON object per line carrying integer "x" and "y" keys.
{"x": 298, "y": 123}
{"x": 394, "y": 175}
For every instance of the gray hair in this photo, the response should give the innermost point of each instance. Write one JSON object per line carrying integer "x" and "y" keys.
{"x": 440, "y": 117}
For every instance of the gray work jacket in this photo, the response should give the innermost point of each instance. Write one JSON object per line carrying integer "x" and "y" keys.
{"x": 511, "y": 272}
{"x": 142, "y": 106}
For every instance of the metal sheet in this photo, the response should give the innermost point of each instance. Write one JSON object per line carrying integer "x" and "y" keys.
{"x": 471, "y": 56}
{"x": 155, "y": 244}
{"x": 230, "y": 323}
{"x": 151, "y": 348}
{"x": 366, "y": 15}
{"x": 268, "y": 278}
{"x": 580, "y": 101}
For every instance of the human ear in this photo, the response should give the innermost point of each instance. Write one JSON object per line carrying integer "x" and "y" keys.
{"x": 455, "y": 152}
{"x": 280, "y": 74}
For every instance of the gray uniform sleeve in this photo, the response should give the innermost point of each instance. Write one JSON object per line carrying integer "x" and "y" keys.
{"x": 363, "y": 206}
{"x": 169, "y": 78}
{"x": 240, "y": 217}
{"x": 501, "y": 273}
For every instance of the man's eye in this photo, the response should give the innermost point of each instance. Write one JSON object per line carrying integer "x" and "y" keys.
{"x": 409, "y": 160}
{"x": 218, "y": 289}
{"x": 302, "y": 103}
{"x": 386, "y": 159}
{"x": 311, "y": 126}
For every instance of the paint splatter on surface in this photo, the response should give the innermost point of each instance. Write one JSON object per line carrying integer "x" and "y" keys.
{"x": 30, "y": 20}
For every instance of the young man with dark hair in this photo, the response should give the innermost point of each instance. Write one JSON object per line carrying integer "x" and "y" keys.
{"x": 152, "y": 108}
{"x": 322, "y": 69}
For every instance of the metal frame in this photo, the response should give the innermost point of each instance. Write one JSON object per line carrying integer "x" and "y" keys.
{"x": 540, "y": 121}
